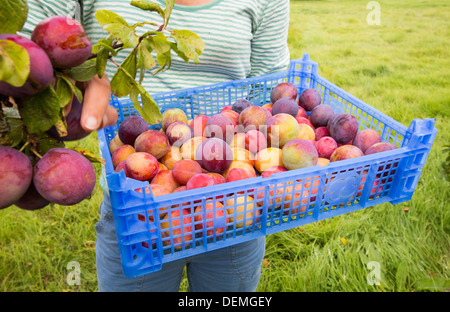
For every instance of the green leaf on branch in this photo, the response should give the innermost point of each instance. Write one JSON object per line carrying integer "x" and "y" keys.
{"x": 11, "y": 127}
{"x": 147, "y": 107}
{"x": 145, "y": 59}
{"x": 89, "y": 155}
{"x": 66, "y": 89}
{"x": 106, "y": 44}
{"x": 41, "y": 111}
{"x": 64, "y": 92}
{"x": 158, "y": 42}
{"x": 188, "y": 44}
{"x": 61, "y": 126}
{"x": 14, "y": 63}
{"x": 13, "y": 15}
{"x": 148, "y": 6}
{"x": 103, "y": 49}
{"x": 168, "y": 10}
{"x": 118, "y": 27}
{"x": 73, "y": 89}
{"x": 83, "y": 72}
{"x": 121, "y": 83}
{"x": 46, "y": 143}
{"x": 164, "y": 60}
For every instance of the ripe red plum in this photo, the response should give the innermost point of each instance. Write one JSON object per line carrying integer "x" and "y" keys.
{"x": 41, "y": 70}
{"x": 15, "y": 175}
{"x": 74, "y": 129}
{"x": 214, "y": 155}
{"x": 64, "y": 40}
{"x": 284, "y": 89}
{"x": 285, "y": 105}
{"x": 64, "y": 177}
{"x": 343, "y": 127}
{"x": 131, "y": 128}
{"x": 320, "y": 115}
{"x": 309, "y": 99}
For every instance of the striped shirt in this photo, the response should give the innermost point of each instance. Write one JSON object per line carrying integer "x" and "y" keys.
{"x": 242, "y": 38}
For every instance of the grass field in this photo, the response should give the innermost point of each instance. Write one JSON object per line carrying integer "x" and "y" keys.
{"x": 402, "y": 68}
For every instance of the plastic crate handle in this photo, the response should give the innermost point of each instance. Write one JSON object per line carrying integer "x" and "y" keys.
{"x": 419, "y": 138}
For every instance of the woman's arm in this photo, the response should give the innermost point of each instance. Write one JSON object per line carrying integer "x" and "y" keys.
{"x": 270, "y": 52}
{"x": 96, "y": 113}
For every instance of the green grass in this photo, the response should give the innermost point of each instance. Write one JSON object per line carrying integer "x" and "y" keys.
{"x": 401, "y": 68}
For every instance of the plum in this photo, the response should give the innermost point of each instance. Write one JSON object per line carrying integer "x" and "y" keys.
{"x": 343, "y": 127}
{"x": 242, "y": 209}
{"x": 217, "y": 177}
{"x": 64, "y": 40}
{"x": 320, "y": 115}
{"x": 64, "y": 177}
{"x": 115, "y": 144}
{"x": 309, "y": 99}
{"x": 306, "y": 132}
{"x": 131, "y": 128}
{"x": 199, "y": 180}
{"x": 152, "y": 142}
{"x": 166, "y": 179}
{"x": 172, "y": 156}
{"x": 172, "y": 115}
{"x": 366, "y": 138}
{"x": 243, "y": 165}
{"x": 240, "y": 105}
{"x": 299, "y": 153}
{"x": 284, "y": 89}
{"x": 41, "y": 70}
{"x": 189, "y": 147}
{"x": 281, "y": 128}
{"x": 142, "y": 166}
{"x": 121, "y": 154}
{"x": 198, "y": 124}
{"x": 185, "y": 169}
{"x": 254, "y": 117}
{"x": 16, "y": 173}
{"x": 234, "y": 116}
{"x": 345, "y": 152}
{"x": 285, "y": 105}
{"x": 32, "y": 200}
{"x": 214, "y": 155}
{"x": 242, "y": 154}
{"x": 380, "y": 147}
{"x": 220, "y": 126}
{"x": 272, "y": 170}
{"x": 321, "y": 132}
{"x": 74, "y": 129}
{"x": 255, "y": 141}
{"x": 178, "y": 133}
{"x": 238, "y": 140}
{"x": 325, "y": 146}
{"x": 305, "y": 120}
{"x": 236, "y": 174}
{"x": 268, "y": 157}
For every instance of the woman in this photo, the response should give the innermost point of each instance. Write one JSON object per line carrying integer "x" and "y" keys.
{"x": 242, "y": 39}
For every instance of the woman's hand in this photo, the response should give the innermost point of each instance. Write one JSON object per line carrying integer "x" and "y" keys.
{"x": 97, "y": 113}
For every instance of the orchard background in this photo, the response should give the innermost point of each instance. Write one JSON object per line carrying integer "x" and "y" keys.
{"x": 402, "y": 68}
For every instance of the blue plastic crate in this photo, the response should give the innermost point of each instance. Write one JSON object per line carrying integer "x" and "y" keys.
{"x": 286, "y": 200}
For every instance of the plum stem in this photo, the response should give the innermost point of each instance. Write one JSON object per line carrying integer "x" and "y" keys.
{"x": 114, "y": 62}
{"x": 35, "y": 152}
{"x": 25, "y": 145}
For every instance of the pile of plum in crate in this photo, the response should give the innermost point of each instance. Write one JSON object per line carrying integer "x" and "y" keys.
{"x": 156, "y": 227}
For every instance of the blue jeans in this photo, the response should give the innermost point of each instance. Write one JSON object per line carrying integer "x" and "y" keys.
{"x": 234, "y": 268}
